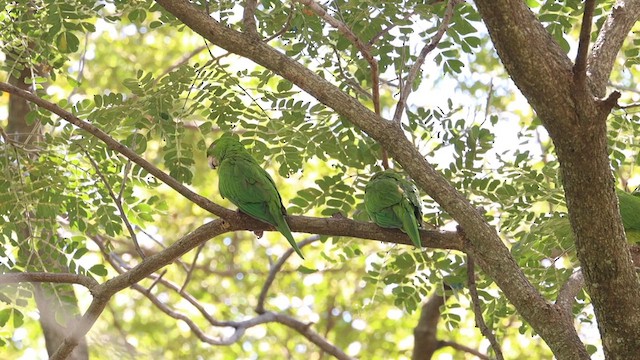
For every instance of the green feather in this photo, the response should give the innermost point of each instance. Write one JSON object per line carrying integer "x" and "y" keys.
{"x": 248, "y": 186}
{"x": 393, "y": 202}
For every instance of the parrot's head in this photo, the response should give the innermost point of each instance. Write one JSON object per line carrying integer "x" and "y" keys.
{"x": 222, "y": 148}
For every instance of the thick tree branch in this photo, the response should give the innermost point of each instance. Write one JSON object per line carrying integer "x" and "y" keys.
{"x": 46, "y": 277}
{"x": 415, "y": 69}
{"x": 485, "y": 244}
{"x": 425, "y": 340}
{"x": 615, "y": 30}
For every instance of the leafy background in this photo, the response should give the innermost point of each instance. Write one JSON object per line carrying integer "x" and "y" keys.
{"x": 146, "y": 80}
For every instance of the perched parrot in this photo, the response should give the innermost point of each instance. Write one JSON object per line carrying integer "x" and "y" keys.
{"x": 393, "y": 202}
{"x": 629, "y": 205}
{"x": 247, "y": 185}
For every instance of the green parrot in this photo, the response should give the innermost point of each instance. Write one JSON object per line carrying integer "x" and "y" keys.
{"x": 247, "y": 185}
{"x": 393, "y": 202}
{"x": 629, "y": 205}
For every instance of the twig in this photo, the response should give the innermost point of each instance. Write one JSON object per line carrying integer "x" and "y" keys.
{"x": 475, "y": 300}
{"x": 466, "y": 349}
{"x": 249, "y": 18}
{"x": 284, "y": 28}
{"x": 183, "y": 60}
{"x": 193, "y": 266}
{"x": 580, "y": 66}
{"x": 359, "y": 89}
{"x": 274, "y": 270}
{"x": 384, "y": 31}
{"x": 314, "y": 337}
{"x": 47, "y": 277}
{"x": 413, "y": 73}
{"x": 627, "y": 106}
{"x": 123, "y": 215}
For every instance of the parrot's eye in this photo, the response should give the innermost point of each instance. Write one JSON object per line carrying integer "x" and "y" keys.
{"x": 213, "y": 162}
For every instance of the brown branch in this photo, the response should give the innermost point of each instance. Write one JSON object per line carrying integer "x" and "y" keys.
{"x": 413, "y": 73}
{"x": 191, "y": 268}
{"x": 425, "y": 341}
{"x": 580, "y": 67}
{"x": 614, "y": 31}
{"x": 249, "y": 18}
{"x": 314, "y": 337}
{"x": 477, "y": 310}
{"x": 386, "y": 30}
{"x": 183, "y": 60}
{"x": 275, "y": 269}
{"x": 47, "y": 277}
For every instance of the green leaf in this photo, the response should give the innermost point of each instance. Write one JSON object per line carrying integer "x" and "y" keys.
{"x": 99, "y": 270}
{"x": 67, "y": 42}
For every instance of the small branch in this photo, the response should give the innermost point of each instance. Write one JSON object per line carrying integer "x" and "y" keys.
{"x": 466, "y": 349}
{"x": 425, "y": 341}
{"x": 627, "y": 106}
{"x": 386, "y": 30}
{"x": 314, "y": 337}
{"x": 413, "y": 73}
{"x": 46, "y": 277}
{"x": 249, "y": 18}
{"x": 285, "y": 27}
{"x": 475, "y": 300}
{"x": 569, "y": 291}
{"x": 193, "y": 266}
{"x": 276, "y": 268}
{"x": 117, "y": 202}
{"x": 183, "y": 60}
{"x": 580, "y": 67}
{"x": 624, "y": 15}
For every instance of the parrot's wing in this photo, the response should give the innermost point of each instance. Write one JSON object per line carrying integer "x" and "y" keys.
{"x": 413, "y": 196}
{"x": 405, "y": 212}
{"x": 381, "y": 194}
{"x": 249, "y": 187}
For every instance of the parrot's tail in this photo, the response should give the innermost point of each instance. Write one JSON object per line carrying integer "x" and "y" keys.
{"x": 283, "y": 227}
{"x": 410, "y": 224}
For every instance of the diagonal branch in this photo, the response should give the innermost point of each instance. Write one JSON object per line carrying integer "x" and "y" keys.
{"x": 413, "y": 73}
{"x": 275, "y": 269}
{"x": 314, "y": 337}
{"x": 477, "y": 310}
{"x": 46, "y": 277}
{"x": 614, "y": 31}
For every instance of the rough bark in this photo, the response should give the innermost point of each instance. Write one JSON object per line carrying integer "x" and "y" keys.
{"x": 576, "y": 122}
{"x": 485, "y": 244}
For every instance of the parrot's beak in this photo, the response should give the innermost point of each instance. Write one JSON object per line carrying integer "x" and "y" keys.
{"x": 213, "y": 162}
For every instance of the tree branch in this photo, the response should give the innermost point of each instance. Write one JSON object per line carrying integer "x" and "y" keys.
{"x": 314, "y": 337}
{"x": 46, "y": 277}
{"x": 477, "y": 310}
{"x": 580, "y": 67}
{"x": 249, "y": 18}
{"x": 569, "y": 291}
{"x": 425, "y": 341}
{"x": 276, "y": 268}
{"x": 413, "y": 73}
{"x": 624, "y": 14}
